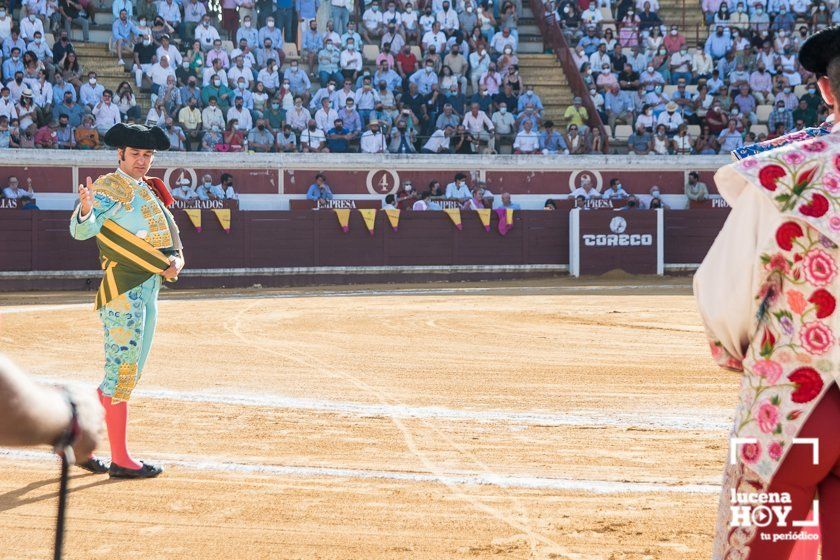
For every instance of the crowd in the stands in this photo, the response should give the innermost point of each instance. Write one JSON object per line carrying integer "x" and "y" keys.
{"x": 440, "y": 76}
{"x": 665, "y": 94}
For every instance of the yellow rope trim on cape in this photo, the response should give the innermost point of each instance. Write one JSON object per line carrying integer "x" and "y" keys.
{"x": 127, "y": 262}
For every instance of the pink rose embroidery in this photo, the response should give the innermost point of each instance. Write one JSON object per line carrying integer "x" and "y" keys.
{"x": 794, "y": 158}
{"x": 819, "y": 267}
{"x": 768, "y": 369}
{"x": 815, "y": 146}
{"x": 774, "y": 450}
{"x": 816, "y": 337}
{"x": 834, "y": 222}
{"x": 767, "y": 417}
{"x": 831, "y": 182}
{"x": 751, "y": 452}
{"x": 749, "y": 163}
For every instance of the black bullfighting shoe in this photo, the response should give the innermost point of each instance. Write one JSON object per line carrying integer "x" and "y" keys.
{"x": 146, "y": 471}
{"x": 94, "y": 465}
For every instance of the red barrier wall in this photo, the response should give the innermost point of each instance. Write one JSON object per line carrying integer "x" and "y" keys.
{"x": 40, "y": 241}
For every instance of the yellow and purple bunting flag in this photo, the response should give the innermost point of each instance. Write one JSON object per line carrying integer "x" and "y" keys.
{"x": 455, "y": 216}
{"x": 394, "y": 218}
{"x": 223, "y": 215}
{"x": 195, "y": 217}
{"x": 484, "y": 214}
{"x": 369, "y": 215}
{"x": 343, "y": 215}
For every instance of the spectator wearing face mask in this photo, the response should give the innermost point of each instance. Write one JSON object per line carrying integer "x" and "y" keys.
{"x": 781, "y": 115}
{"x": 402, "y": 139}
{"x": 184, "y": 191}
{"x": 458, "y": 188}
{"x": 615, "y": 191}
{"x": 299, "y": 82}
{"x": 350, "y": 61}
{"x": 286, "y": 141}
{"x": 372, "y": 24}
{"x": 329, "y": 59}
{"x": 248, "y": 33}
{"x": 91, "y": 92}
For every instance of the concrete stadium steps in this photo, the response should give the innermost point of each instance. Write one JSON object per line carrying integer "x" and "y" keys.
{"x": 546, "y": 74}
{"x": 97, "y": 57}
{"x": 530, "y": 38}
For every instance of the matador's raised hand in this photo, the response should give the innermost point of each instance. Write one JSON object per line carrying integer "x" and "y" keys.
{"x": 86, "y": 196}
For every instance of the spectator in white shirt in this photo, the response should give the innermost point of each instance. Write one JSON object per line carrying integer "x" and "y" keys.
{"x": 241, "y": 114}
{"x": 502, "y": 39}
{"x": 184, "y": 191}
{"x": 434, "y": 37}
{"x": 240, "y": 70}
{"x": 168, "y": 49}
{"x": 671, "y": 118}
{"x": 29, "y": 25}
{"x": 90, "y": 93}
{"x": 206, "y": 34}
{"x": 170, "y": 12}
{"x": 372, "y": 26}
{"x": 313, "y": 139}
{"x": 350, "y": 61}
{"x": 159, "y": 72}
{"x": 7, "y": 105}
{"x": 527, "y": 141}
{"x": 215, "y": 70}
{"x": 447, "y": 18}
{"x": 439, "y": 141}
{"x": 107, "y": 114}
{"x": 269, "y": 76}
{"x": 372, "y": 140}
{"x": 212, "y": 116}
{"x": 586, "y": 189}
{"x": 325, "y": 116}
{"x": 480, "y": 126}
{"x": 13, "y": 191}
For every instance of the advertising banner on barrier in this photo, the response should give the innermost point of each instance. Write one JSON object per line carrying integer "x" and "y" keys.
{"x": 605, "y": 240}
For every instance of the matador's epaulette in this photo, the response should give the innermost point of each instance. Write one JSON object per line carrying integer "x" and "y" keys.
{"x": 796, "y": 136}
{"x": 116, "y": 187}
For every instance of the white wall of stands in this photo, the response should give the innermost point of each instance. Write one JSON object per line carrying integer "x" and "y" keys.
{"x": 326, "y": 162}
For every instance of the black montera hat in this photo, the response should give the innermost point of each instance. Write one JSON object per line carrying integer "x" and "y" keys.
{"x": 819, "y": 49}
{"x": 136, "y": 136}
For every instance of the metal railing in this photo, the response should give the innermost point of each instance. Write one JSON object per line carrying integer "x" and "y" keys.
{"x": 553, "y": 37}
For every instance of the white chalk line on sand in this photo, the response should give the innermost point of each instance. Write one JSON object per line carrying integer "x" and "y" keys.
{"x": 700, "y": 420}
{"x": 459, "y": 479}
{"x": 357, "y": 293}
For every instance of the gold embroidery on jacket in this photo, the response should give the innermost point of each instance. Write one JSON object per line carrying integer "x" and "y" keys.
{"x": 115, "y": 187}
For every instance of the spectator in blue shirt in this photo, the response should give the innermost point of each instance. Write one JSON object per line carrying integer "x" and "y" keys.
{"x": 298, "y": 81}
{"x": 246, "y": 31}
{"x": 718, "y": 43}
{"x": 271, "y": 32}
{"x": 319, "y": 190}
{"x": 424, "y": 78}
{"x": 590, "y": 41}
{"x": 506, "y": 202}
{"x": 122, "y": 29}
{"x": 551, "y": 141}
{"x": 338, "y": 141}
{"x": 60, "y": 87}
{"x": 12, "y": 64}
{"x": 311, "y": 43}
